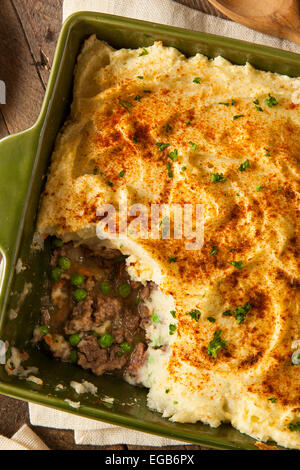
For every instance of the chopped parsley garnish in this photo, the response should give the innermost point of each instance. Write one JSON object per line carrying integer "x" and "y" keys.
{"x": 147, "y": 91}
{"x": 217, "y": 177}
{"x": 188, "y": 122}
{"x": 144, "y": 52}
{"x": 168, "y": 128}
{"x": 216, "y": 344}
{"x": 167, "y": 390}
{"x": 122, "y": 173}
{"x": 194, "y": 314}
{"x": 137, "y": 98}
{"x": 272, "y": 399}
{"x": 271, "y": 101}
{"x": 172, "y": 259}
{"x": 170, "y": 172}
{"x": 193, "y": 145}
{"x": 259, "y": 187}
{"x": 244, "y": 165}
{"x": 237, "y": 264}
{"x": 140, "y": 77}
{"x": 173, "y": 155}
{"x": 258, "y": 108}
{"x": 197, "y": 80}
{"x": 95, "y": 171}
{"x": 227, "y": 313}
{"x": 241, "y": 312}
{"x": 294, "y": 426}
{"x": 183, "y": 168}
{"x": 134, "y": 140}
{"x": 161, "y": 146}
{"x": 267, "y": 154}
{"x": 225, "y": 103}
{"x": 109, "y": 183}
{"x": 158, "y": 346}
{"x": 172, "y": 328}
{"x": 237, "y": 116}
{"x": 119, "y": 259}
{"x": 214, "y": 250}
{"x": 211, "y": 319}
{"x": 173, "y": 313}
{"x": 126, "y": 105}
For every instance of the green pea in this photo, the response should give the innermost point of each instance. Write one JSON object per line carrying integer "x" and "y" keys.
{"x": 64, "y": 262}
{"x": 155, "y": 318}
{"x": 43, "y": 330}
{"x": 77, "y": 279}
{"x": 124, "y": 289}
{"x": 126, "y": 346}
{"x": 106, "y": 340}
{"x": 75, "y": 339}
{"x": 105, "y": 287}
{"x": 56, "y": 273}
{"x": 73, "y": 356}
{"x": 57, "y": 242}
{"x": 79, "y": 294}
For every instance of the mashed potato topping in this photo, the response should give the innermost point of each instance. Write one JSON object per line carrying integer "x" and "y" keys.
{"x": 151, "y": 126}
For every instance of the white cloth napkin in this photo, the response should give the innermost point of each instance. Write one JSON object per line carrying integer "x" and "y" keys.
{"x": 92, "y": 432}
{"x": 88, "y": 431}
{"x": 24, "y": 439}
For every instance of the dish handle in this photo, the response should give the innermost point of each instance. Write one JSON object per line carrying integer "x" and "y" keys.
{"x": 17, "y": 154}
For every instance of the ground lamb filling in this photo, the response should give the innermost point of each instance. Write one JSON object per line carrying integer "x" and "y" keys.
{"x": 94, "y": 315}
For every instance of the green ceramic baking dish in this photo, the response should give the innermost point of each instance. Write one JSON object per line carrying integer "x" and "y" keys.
{"x": 24, "y": 158}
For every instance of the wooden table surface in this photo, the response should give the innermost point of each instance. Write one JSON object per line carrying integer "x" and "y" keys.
{"x": 28, "y": 35}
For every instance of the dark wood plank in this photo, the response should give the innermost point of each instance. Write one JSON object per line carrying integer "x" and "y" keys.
{"x": 13, "y": 414}
{"x": 23, "y": 85}
{"x": 41, "y": 21}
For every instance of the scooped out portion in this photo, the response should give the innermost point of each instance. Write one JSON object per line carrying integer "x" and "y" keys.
{"x": 94, "y": 315}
